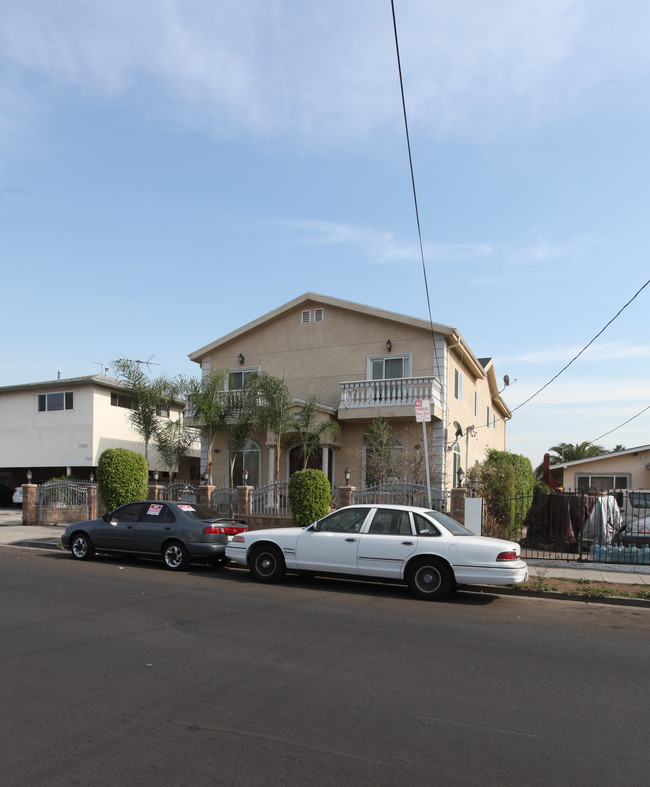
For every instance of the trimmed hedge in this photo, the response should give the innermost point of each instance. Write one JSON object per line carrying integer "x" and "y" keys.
{"x": 309, "y": 496}
{"x": 122, "y": 477}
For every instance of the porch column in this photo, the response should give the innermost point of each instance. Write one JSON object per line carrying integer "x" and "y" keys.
{"x": 271, "y": 448}
{"x": 325, "y": 458}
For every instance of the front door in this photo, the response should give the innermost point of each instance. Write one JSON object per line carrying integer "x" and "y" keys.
{"x": 119, "y": 532}
{"x": 333, "y": 546}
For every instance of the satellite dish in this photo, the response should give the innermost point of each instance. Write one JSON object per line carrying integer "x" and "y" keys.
{"x": 506, "y": 380}
{"x": 458, "y": 428}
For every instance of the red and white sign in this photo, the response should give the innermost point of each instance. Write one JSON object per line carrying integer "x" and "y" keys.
{"x": 154, "y": 510}
{"x": 422, "y": 410}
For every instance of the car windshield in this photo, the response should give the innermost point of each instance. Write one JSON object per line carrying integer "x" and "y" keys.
{"x": 455, "y": 528}
{"x": 198, "y": 511}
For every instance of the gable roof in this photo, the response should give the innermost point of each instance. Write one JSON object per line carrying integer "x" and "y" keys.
{"x": 639, "y": 449}
{"x": 338, "y": 303}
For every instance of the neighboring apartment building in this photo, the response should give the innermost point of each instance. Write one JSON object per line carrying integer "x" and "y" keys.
{"x": 627, "y": 469}
{"x": 363, "y": 363}
{"x": 60, "y": 427}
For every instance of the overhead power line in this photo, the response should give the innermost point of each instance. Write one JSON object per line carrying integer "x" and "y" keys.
{"x": 620, "y": 426}
{"x": 575, "y": 357}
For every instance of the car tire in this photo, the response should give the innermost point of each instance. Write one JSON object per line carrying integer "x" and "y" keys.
{"x": 81, "y": 547}
{"x": 430, "y": 578}
{"x": 175, "y": 556}
{"x": 267, "y": 564}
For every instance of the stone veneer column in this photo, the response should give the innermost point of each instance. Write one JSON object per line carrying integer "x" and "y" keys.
{"x": 244, "y": 502}
{"x": 458, "y": 496}
{"x": 346, "y": 494}
{"x": 30, "y": 514}
{"x": 205, "y": 495}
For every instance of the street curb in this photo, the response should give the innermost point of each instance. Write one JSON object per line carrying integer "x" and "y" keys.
{"x": 36, "y": 544}
{"x": 616, "y": 601}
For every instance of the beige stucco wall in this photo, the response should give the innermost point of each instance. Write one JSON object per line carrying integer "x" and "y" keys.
{"x": 632, "y": 465}
{"x": 315, "y": 357}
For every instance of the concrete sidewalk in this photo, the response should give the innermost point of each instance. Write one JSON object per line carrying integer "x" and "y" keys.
{"x": 14, "y": 533}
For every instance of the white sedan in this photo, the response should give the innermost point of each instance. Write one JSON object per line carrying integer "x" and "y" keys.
{"x": 428, "y": 550}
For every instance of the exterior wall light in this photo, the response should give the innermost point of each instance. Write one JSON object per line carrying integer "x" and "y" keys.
{"x": 347, "y": 474}
{"x": 389, "y": 345}
{"x": 156, "y": 476}
{"x": 29, "y": 476}
{"x": 245, "y": 477}
{"x": 241, "y": 359}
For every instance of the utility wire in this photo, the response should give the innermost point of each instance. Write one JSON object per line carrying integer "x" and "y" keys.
{"x": 415, "y": 196}
{"x": 620, "y": 426}
{"x": 575, "y": 357}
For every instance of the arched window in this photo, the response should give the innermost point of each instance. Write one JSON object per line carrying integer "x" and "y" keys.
{"x": 249, "y": 458}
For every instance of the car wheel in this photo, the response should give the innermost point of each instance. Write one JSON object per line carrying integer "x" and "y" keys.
{"x": 429, "y": 578}
{"x": 81, "y": 547}
{"x": 175, "y": 556}
{"x": 267, "y": 564}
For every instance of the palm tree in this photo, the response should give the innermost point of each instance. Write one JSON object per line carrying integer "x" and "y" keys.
{"x": 173, "y": 442}
{"x": 272, "y": 414}
{"x": 208, "y": 408}
{"x": 147, "y": 398}
{"x": 570, "y": 452}
{"x": 312, "y": 431}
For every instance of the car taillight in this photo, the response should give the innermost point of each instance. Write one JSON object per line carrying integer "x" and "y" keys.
{"x": 225, "y": 530}
{"x": 507, "y": 555}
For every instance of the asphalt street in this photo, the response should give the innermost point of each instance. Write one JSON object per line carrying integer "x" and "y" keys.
{"x": 124, "y": 672}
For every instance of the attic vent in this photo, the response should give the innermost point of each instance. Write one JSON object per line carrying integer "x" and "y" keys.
{"x": 306, "y": 316}
{"x": 318, "y": 315}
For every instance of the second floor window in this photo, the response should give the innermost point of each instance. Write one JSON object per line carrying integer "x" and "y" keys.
{"x": 237, "y": 378}
{"x": 390, "y": 367}
{"x": 63, "y": 400}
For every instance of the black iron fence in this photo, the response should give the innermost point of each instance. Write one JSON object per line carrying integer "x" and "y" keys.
{"x": 608, "y": 527}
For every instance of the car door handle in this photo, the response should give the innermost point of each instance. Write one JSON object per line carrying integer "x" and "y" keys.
{"x": 407, "y": 543}
{"x": 352, "y": 540}
{"x": 129, "y": 527}
{"x": 167, "y": 527}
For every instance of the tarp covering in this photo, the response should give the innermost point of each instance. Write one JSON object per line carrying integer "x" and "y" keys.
{"x": 557, "y": 519}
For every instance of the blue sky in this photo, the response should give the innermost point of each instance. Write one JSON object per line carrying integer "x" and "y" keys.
{"x": 172, "y": 169}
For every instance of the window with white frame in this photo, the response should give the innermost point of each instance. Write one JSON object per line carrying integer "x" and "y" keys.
{"x": 601, "y": 483}
{"x": 476, "y": 403}
{"x": 489, "y": 417}
{"x": 389, "y": 367}
{"x": 55, "y": 402}
{"x": 237, "y": 377}
{"x": 250, "y": 459}
{"x": 306, "y": 316}
{"x": 319, "y": 315}
{"x": 458, "y": 385}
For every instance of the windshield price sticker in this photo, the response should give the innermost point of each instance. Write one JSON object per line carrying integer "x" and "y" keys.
{"x": 154, "y": 510}
{"x": 186, "y": 508}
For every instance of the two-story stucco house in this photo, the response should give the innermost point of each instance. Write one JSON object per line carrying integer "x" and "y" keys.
{"x": 363, "y": 363}
{"x": 60, "y": 427}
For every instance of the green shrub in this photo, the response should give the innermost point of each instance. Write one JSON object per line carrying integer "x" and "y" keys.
{"x": 309, "y": 496}
{"x": 122, "y": 477}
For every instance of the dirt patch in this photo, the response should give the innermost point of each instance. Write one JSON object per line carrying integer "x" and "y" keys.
{"x": 585, "y": 588}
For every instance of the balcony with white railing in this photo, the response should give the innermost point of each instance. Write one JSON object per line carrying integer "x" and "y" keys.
{"x": 391, "y": 396}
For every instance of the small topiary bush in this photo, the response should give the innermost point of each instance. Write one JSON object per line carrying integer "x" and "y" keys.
{"x": 309, "y": 496}
{"x": 122, "y": 477}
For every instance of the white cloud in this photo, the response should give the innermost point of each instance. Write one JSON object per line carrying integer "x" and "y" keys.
{"x": 606, "y": 351}
{"x": 327, "y": 72}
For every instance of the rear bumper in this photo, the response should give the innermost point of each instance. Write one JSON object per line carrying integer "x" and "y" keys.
{"x": 513, "y": 574}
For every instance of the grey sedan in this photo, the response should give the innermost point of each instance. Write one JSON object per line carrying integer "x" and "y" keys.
{"x": 179, "y": 533}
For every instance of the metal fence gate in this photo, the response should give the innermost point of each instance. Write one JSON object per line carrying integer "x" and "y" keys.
{"x": 63, "y": 502}
{"x": 181, "y": 492}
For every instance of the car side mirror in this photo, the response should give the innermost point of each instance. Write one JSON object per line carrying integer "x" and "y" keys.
{"x": 107, "y": 517}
